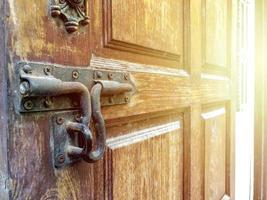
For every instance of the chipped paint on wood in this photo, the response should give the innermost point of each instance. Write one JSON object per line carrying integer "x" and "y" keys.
{"x": 37, "y": 36}
{"x": 4, "y": 179}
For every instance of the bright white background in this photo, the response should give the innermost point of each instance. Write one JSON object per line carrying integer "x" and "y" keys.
{"x": 245, "y": 114}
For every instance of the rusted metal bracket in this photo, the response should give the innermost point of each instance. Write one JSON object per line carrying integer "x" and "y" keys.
{"x": 75, "y": 94}
{"x": 118, "y": 88}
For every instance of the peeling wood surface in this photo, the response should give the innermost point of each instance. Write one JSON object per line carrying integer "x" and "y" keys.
{"x": 35, "y": 35}
{"x": 3, "y": 106}
{"x": 144, "y": 149}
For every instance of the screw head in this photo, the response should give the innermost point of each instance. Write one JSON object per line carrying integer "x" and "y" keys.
{"x": 99, "y": 74}
{"x": 47, "y": 102}
{"x": 126, "y": 99}
{"x": 75, "y": 74}
{"x": 28, "y": 105}
{"x": 78, "y": 117}
{"x": 110, "y": 100}
{"x": 60, "y": 158}
{"x": 110, "y": 76}
{"x": 47, "y": 70}
{"x": 27, "y": 69}
{"x": 126, "y": 76}
{"x": 60, "y": 120}
{"x": 24, "y": 88}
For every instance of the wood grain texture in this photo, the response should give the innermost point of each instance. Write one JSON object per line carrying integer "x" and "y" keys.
{"x": 131, "y": 27}
{"x": 194, "y": 147}
{"x": 167, "y": 91}
{"x": 161, "y": 22}
{"x": 4, "y": 176}
{"x": 31, "y": 166}
{"x": 35, "y": 35}
{"x": 178, "y": 90}
{"x": 260, "y": 128}
{"x": 216, "y": 25}
{"x": 148, "y": 22}
{"x": 149, "y": 168}
{"x": 215, "y": 130}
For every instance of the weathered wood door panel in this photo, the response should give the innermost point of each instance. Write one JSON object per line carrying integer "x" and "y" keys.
{"x": 173, "y": 140}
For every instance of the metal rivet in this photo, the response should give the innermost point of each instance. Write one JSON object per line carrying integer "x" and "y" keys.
{"x": 60, "y": 120}
{"x": 126, "y": 99}
{"x": 27, "y": 69}
{"x": 99, "y": 74}
{"x": 75, "y": 74}
{"x": 24, "y": 88}
{"x": 47, "y": 102}
{"x": 60, "y": 158}
{"x": 126, "y": 76}
{"x": 110, "y": 100}
{"x": 28, "y": 105}
{"x": 78, "y": 117}
{"x": 48, "y": 70}
{"x": 110, "y": 76}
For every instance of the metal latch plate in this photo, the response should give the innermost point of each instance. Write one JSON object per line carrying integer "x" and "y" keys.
{"x": 62, "y": 139}
{"x": 87, "y": 76}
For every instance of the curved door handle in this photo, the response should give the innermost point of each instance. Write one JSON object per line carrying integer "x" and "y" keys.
{"x": 99, "y": 149}
{"x": 103, "y": 87}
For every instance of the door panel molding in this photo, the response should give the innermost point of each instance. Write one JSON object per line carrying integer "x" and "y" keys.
{"x": 147, "y": 175}
{"x": 216, "y": 37}
{"x": 142, "y": 135}
{"x": 137, "y": 44}
{"x": 215, "y": 127}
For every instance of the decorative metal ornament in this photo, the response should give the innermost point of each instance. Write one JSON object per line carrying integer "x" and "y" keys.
{"x": 72, "y": 12}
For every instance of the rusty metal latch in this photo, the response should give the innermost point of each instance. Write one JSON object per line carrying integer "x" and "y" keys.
{"x": 76, "y": 95}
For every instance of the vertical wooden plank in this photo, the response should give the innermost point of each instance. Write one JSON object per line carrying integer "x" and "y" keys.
{"x": 214, "y": 126}
{"x": 216, "y": 29}
{"x": 231, "y": 105}
{"x": 194, "y": 138}
{"x": 3, "y": 106}
{"x": 196, "y": 177}
{"x": 260, "y": 151}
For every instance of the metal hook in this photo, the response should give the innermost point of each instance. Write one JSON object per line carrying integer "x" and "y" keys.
{"x": 98, "y": 119}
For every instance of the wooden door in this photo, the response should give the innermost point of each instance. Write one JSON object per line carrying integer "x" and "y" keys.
{"x": 174, "y": 140}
